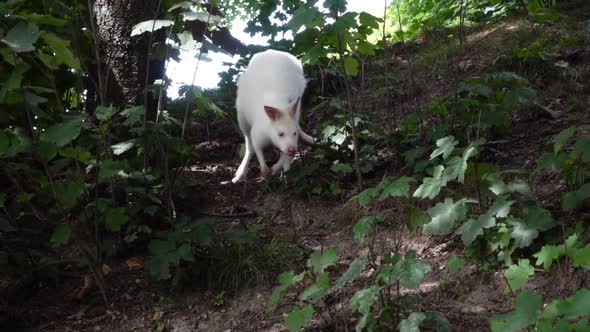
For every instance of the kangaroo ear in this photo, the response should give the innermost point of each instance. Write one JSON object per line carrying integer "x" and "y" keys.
{"x": 294, "y": 106}
{"x": 273, "y": 113}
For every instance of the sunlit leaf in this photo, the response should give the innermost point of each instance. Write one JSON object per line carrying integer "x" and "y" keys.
{"x": 444, "y": 215}
{"x": 149, "y": 26}
{"x": 445, "y": 147}
{"x": 320, "y": 260}
{"x": 22, "y": 37}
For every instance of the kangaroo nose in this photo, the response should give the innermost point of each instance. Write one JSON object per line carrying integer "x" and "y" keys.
{"x": 291, "y": 152}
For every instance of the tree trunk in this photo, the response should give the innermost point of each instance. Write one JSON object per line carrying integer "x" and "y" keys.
{"x": 123, "y": 60}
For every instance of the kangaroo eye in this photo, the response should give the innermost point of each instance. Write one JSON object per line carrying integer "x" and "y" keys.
{"x": 281, "y": 134}
{"x": 295, "y": 134}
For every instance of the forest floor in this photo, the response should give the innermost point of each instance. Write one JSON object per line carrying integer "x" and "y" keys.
{"x": 303, "y": 223}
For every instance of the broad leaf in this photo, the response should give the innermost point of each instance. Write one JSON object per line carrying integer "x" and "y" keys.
{"x": 149, "y": 26}
{"x": 286, "y": 280}
{"x": 417, "y": 218}
{"x": 201, "y": 16}
{"x": 444, "y": 215}
{"x": 527, "y": 305}
{"x": 581, "y": 257}
{"x": 63, "y": 133}
{"x": 114, "y": 218}
{"x": 560, "y": 139}
{"x": 366, "y": 196}
{"x": 353, "y": 272}
{"x": 518, "y": 275}
{"x": 60, "y": 235}
{"x": 69, "y": 192}
{"x": 120, "y": 148}
{"x": 412, "y": 323}
{"x": 539, "y": 218}
{"x": 445, "y": 147}
{"x": 62, "y": 51}
{"x": 362, "y": 227}
{"x": 361, "y": 302}
{"x": 317, "y": 290}
{"x": 342, "y": 168}
{"x": 522, "y": 234}
{"x": 571, "y": 200}
{"x": 570, "y": 308}
{"x": 430, "y": 187}
{"x": 22, "y": 37}
{"x": 398, "y": 188}
{"x": 320, "y": 260}
{"x": 110, "y": 168}
{"x": 133, "y": 115}
{"x": 351, "y": 66}
{"x": 104, "y": 113}
{"x": 299, "y": 318}
{"x": 455, "y": 264}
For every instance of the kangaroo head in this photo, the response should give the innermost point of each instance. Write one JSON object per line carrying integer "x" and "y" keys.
{"x": 284, "y": 129}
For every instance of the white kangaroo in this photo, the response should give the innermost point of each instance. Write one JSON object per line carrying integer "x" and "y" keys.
{"x": 269, "y": 107}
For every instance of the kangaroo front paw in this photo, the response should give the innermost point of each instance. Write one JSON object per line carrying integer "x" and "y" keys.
{"x": 265, "y": 172}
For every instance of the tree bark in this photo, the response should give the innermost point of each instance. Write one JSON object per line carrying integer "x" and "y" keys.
{"x": 123, "y": 60}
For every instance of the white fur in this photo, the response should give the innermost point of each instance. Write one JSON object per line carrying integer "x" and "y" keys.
{"x": 273, "y": 79}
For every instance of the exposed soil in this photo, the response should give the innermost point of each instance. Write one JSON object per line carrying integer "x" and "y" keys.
{"x": 468, "y": 299}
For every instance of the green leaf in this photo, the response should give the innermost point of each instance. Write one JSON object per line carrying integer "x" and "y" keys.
{"x": 560, "y": 139}
{"x": 133, "y": 115}
{"x": 417, "y": 218}
{"x": 527, "y": 305}
{"x": 62, "y": 50}
{"x": 320, "y": 260}
{"x": 109, "y": 168}
{"x": 363, "y": 300}
{"x": 437, "y": 322}
{"x": 410, "y": 156}
{"x": 299, "y": 318}
{"x": 366, "y": 196}
{"x": 430, "y": 187}
{"x": 149, "y": 26}
{"x": 412, "y": 323}
{"x": 457, "y": 166}
{"x": 409, "y": 271}
{"x": 455, "y": 264}
{"x": 518, "y": 275}
{"x": 60, "y": 235}
{"x": 4, "y": 142}
{"x": 45, "y": 151}
{"x": 203, "y": 232}
{"x": 63, "y": 133}
{"x": 351, "y": 65}
{"x": 5, "y": 226}
{"x": 398, "y": 188}
{"x": 314, "y": 54}
{"x": 353, "y": 272}
{"x": 342, "y": 168}
{"x": 303, "y": 16}
{"x": 551, "y": 162}
{"x": 581, "y": 257}
{"x": 522, "y": 233}
{"x": 22, "y": 37}
{"x": 549, "y": 253}
{"x": 571, "y": 200}
{"x": 445, "y": 147}
{"x": 45, "y": 20}
{"x": 582, "y": 149}
{"x": 104, "y": 113}
{"x": 114, "y": 218}
{"x": 444, "y": 215}
{"x": 362, "y": 227}
{"x": 539, "y": 218}
{"x": 571, "y": 308}
{"x": 317, "y": 290}
{"x": 286, "y": 280}
{"x": 501, "y": 207}
{"x": 15, "y": 80}
{"x": 69, "y": 192}
{"x": 369, "y": 20}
